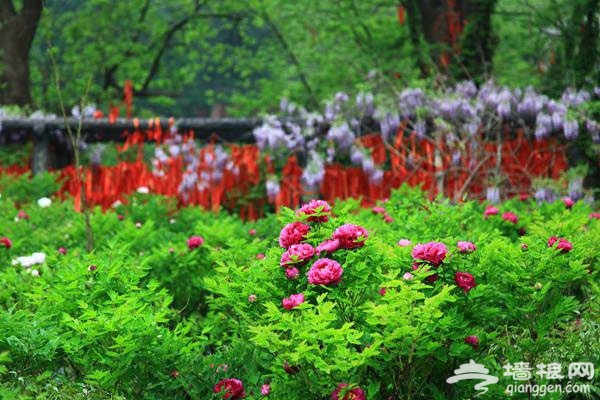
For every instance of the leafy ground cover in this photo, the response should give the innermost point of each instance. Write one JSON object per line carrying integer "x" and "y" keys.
{"x": 326, "y": 302}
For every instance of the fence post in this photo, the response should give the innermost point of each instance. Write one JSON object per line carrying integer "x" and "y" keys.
{"x": 41, "y": 142}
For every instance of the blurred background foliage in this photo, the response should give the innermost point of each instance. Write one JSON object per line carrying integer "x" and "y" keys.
{"x": 241, "y": 57}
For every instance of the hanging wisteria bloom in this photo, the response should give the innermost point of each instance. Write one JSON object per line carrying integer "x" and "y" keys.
{"x": 272, "y": 187}
{"x": 314, "y": 172}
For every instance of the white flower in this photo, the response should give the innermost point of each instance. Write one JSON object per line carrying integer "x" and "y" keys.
{"x": 35, "y": 272}
{"x": 143, "y": 190}
{"x": 44, "y": 202}
{"x": 172, "y": 221}
{"x": 117, "y": 203}
{"x": 28, "y": 261}
{"x": 138, "y": 225}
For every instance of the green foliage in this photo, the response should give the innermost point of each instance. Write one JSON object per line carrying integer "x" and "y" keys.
{"x": 157, "y": 320}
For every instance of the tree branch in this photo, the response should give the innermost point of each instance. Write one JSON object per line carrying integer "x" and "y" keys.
{"x": 293, "y": 58}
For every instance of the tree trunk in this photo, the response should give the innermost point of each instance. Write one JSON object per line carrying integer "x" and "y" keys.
{"x": 440, "y": 23}
{"x": 17, "y": 30}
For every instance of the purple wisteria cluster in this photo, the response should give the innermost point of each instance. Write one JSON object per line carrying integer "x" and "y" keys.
{"x": 202, "y": 168}
{"x": 458, "y": 115}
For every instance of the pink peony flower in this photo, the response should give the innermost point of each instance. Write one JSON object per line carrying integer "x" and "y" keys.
{"x": 465, "y": 281}
{"x": 432, "y": 252}
{"x": 404, "y": 243}
{"x": 595, "y": 215}
{"x": 351, "y": 236}
{"x": 325, "y": 272}
{"x": 297, "y": 254}
{"x": 328, "y": 246}
{"x": 523, "y": 196}
{"x": 22, "y": 215}
{"x": 524, "y": 246}
{"x": 195, "y": 242}
{"x": 260, "y": 256}
{"x": 382, "y": 291}
{"x": 431, "y": 278}
{"x": 319, "y": 208}
{"x": 473, "y": 341}
{"x": 252, "y": 298}
{"x": 265, "y": 389}
{"x": 352, "y": 394}
{"x": 388, "y": 218}
{"x": 6, "y": 242}
{"x": 293, "y": 301}
{"x": 292, "y": 273}
{"x": 378, "y": 210}
{"x": 490, "y": 210}
{"x": 293, "y": 233}
{"x": 62, "y": 250}
{"x": 510, "y": 217}
{"x": 563, "y": 244}
{"x": 408, "y": 276}
{"x": 121, "y": 217}
{"x": 568, "y": 202}
{"x": 232, "y": 389}
{"x": 252, "y": 232}
{"x": 466, "y": 247}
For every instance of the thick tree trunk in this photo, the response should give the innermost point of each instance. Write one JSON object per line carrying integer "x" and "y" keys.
{"x": 17, "y": 30}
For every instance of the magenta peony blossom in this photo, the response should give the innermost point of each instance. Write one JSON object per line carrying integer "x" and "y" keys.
{"x": 595, "y": 215}
{"x": 378, "y": 210}
{"x": 293, "y": 301}
{"x": 62, "y": 250}
{"x": 265, "y": 389}
{"x": 490, "y": 210}
{"x": 382, "y": 291}
{"x": 388, "y": 218}
{"x": 232, "y": 389}
{"x": 328, "y": 246}
{"x": 510, "y": 217}
{"x": 404, "y": 243}
{"x": 297, "y": 254}
{"x": 22, "y": 215}
{"x": 195, "y": 242}
{"x": 465, "y": 281}
{"x": 6, "y": 242}
{"x": 473, "y": 341}
{"x": 351, "y": 236}
{"x": 325, "y": 272}
{"x": 293, "y": 233}
{"x": 466, "y": 247}
{"x": 252, "y": 232}
{"x": 568, "y": 202}
{"x": 432, "y": 252}
{"x": 352, "y": 394}
{"x": 260, "y": 256}
{"x": 563, "y": 244}
{"x": 319, "y": 207}
{"x": 292, "y": 273}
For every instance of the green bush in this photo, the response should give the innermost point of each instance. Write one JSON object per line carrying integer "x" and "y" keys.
{"x": 155, "y": 319}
